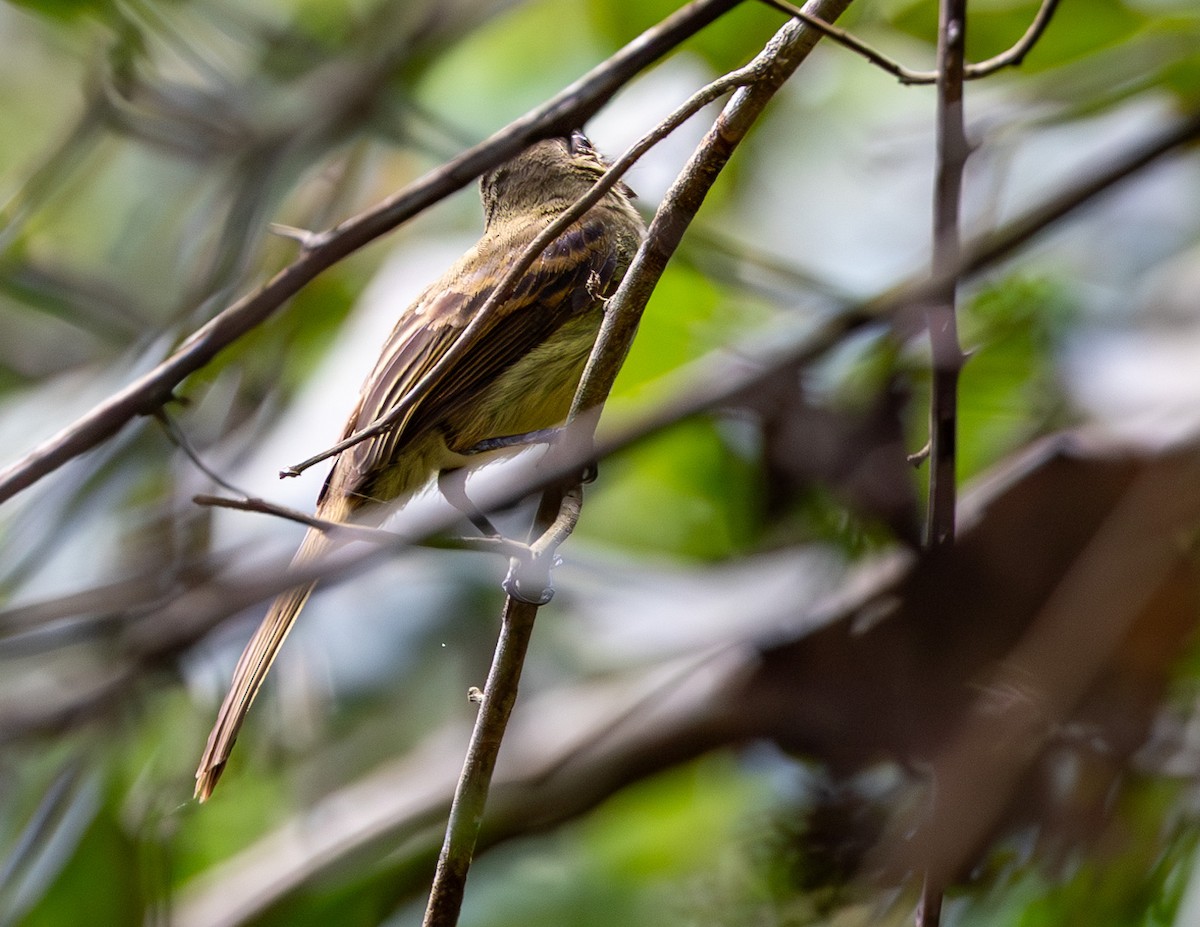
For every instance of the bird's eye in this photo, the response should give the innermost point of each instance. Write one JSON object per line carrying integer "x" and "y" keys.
{"x": 579, "y": 143}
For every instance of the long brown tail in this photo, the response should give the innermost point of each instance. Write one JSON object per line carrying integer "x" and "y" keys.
{"x": 258, "y": 656}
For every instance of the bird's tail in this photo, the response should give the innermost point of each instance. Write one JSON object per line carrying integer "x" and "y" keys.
{"x": 259, "y": 654}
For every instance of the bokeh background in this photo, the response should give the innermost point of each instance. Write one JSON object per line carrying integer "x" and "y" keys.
{"x": 144, "y": 149}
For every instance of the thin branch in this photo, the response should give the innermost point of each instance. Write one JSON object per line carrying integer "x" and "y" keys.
{"x": 1024, "y": 45}
{"x": 495, "y": 708}
{"x": 1013, "y": 57}
{"x": 470, "y": 797}
{"x": 567, "y": 110}
{"x": 510, "y": 280}
{"x": 347, "y": 531}
{"x": 854, "y": 44}
{"x": 335, "y": 529}
{"x": 180, "y": 440}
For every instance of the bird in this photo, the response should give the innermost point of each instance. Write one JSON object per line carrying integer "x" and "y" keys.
{"x": 516, "y": 374}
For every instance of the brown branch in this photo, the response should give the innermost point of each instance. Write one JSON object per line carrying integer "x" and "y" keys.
{"x": 565, "y": 111}
{"x": 340, "y": 530}
{"x": 1010, "y": 58}
{"x": 1014, "y": 56}
{"x": 466, "y": 810}
{"x": 496, "y": 705}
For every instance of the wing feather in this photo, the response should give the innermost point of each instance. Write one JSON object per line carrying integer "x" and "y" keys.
{"x": 569, "y": 278}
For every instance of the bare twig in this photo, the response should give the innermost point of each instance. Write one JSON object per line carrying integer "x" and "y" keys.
{"x": 495, "y": 707}
{"x": 335, "y": 529}
{"x": 466, "y": 810}
{"x": 180, "y": 440}
{"x": 565, "y": 111}
{"x": 1015, "y": 55}
{"x": 1012, "y": 57}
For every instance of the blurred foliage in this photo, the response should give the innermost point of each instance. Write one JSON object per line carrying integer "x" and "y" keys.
{"x": 145, "y": 148}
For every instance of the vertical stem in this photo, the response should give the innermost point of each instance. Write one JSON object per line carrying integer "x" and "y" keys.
{"x": 941, "y": 318}
{"x": 947, "y": 355}
{"x": 470, "y": 797}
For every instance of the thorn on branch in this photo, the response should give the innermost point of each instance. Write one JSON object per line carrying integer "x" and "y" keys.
{"x": 308, "y": 240}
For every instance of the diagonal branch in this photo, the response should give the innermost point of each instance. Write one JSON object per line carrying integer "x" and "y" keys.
{"x": 347, "y": 531}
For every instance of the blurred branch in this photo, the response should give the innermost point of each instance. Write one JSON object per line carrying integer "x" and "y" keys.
{"x": 1010, "y": 58}
{"x": 30, "y": 848}
{"x": 1115, "y": 580}
{"x": 565, "y": 111}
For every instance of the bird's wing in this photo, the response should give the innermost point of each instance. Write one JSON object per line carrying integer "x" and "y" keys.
{"x": 567, "y": 279}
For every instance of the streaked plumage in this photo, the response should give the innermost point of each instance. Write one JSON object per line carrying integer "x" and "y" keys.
{"x": 518, "y": 376}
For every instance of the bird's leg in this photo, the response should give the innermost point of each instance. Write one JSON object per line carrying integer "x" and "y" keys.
{"x": 453, "y": 486}
{"x": 504, "y": 442}
{"x": 528, "y": 439}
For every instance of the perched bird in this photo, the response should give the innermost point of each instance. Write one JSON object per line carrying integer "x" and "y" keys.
{"x": 517, "y": 375}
